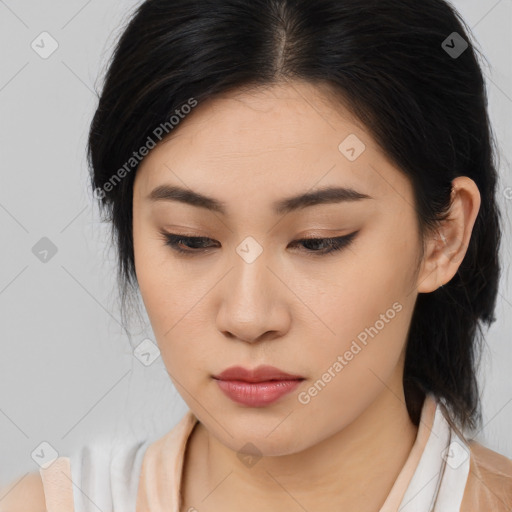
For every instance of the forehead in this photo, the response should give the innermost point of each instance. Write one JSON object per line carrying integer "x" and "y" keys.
{"x": 276, "y": 118}
{"x": 283, "y": 138}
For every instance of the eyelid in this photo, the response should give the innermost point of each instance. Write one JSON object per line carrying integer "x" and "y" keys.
{"x": 310, "y": 236}
{"x": 336, "y": 244}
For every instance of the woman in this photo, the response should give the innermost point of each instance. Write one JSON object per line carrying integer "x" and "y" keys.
{"x": 304, "y": 194}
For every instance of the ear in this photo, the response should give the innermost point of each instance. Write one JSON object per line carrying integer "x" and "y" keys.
{"x": 446, "y": 250}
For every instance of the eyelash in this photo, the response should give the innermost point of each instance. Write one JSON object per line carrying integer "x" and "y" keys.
{"x": 335, "y": 244}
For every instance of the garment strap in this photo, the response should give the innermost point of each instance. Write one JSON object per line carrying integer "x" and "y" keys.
{"x": 58, "y": 486}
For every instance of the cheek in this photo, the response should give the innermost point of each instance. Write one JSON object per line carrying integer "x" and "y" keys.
{"x": 363, "y": 312}
{"x": 158, "y": 289}
{"x": 365, "y": 289}
{"x": 173, "y": 307}
{"x": 365, "y": 333}
{"x": 349, "y": 370}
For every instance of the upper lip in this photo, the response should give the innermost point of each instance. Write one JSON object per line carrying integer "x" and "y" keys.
{"x": 260, "y": 374}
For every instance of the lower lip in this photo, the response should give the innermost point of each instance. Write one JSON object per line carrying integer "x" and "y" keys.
{"x": 257, "y": 394}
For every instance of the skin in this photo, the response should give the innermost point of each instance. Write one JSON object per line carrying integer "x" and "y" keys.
{"x": 288, "y": 308}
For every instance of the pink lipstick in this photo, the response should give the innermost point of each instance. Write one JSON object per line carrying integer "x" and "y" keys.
{"x": 256, "y": 388}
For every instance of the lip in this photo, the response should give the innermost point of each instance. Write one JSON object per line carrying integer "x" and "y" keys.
{"x": 258, "y": 387}
{"x": 263, "y": 373}
{"x": 256, "y": 394}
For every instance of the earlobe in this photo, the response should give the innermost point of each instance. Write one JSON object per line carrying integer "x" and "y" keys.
{"x": 447, "y": 248}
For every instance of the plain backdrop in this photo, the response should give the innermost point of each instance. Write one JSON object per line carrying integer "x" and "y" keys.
{"x": 68, "y": 373}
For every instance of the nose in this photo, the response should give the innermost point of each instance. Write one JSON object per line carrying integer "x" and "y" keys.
{"x": 253, "y": 303}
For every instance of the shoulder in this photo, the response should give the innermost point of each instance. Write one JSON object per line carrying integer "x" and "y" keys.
{"x": 489, "y": 484}
{"x": 25, "y": 494}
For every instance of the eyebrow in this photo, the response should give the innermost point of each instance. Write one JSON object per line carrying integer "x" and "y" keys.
{"x": 328, "y": 195}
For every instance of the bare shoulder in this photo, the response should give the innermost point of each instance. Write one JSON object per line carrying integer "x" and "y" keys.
{"x": 25, "y": 494}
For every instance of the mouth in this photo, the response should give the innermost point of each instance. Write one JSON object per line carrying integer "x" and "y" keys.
{"x": 256, "y": 388}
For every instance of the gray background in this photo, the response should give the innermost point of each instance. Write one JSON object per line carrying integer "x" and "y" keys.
{"x": 68, "y": 374}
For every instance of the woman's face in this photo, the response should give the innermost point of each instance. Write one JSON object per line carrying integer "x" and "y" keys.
{"x": 254, "y": 295}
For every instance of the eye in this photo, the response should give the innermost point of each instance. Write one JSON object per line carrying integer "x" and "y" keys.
{"x": 177, "y": 241}
{"x": 199, "y": 244}
{"x": 330, "y": 244}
